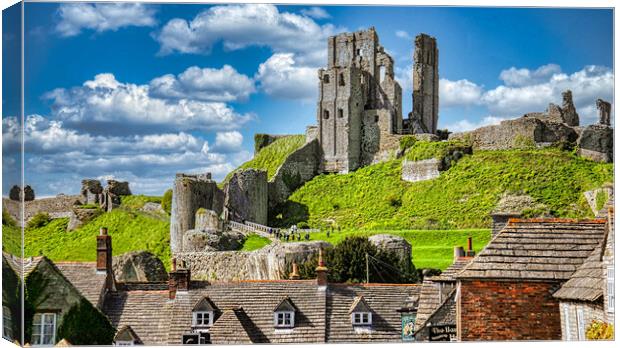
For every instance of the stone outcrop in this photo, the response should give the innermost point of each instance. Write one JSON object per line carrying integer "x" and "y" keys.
{"x": 269, "y": 263}
{"x": 522, "y": 132}
{"x": 80, "y": 216}
{"x": 246, "y": 196}
{"x": 299, "y": 167}
{"x": 190, "y": 193}
{"x": 597, "y": 143}
{"x": 138, "y": 266}
{"x": 513, "y": 206}
{"x": 392, "y": 243}
{"x": 212, "y": 240}
{"x": 414, "y": 171}
{"x": 604, "y": 112}
{"x": 152, "y": 207}
{"x": 207, "y": 219}
{"x": 91, "y": 191}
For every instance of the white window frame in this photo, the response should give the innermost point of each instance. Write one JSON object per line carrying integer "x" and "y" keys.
{"x": 7, "y": 323}
{"x": 196, "y": 322}
{"x": 567, "y": 322}
{"x": 361, "y": 318}
{"x": 280, "y": 319}
{"x": 611, "y": 297}
{"x": 41, "y": 329}
{"x": 581, "y": 325}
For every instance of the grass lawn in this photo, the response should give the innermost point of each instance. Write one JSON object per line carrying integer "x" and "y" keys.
{"x": 429, "y": 248}
{"x": 255, "y": 242}
{"x": 138, "y": 201}
{"x": 130, "y": 231}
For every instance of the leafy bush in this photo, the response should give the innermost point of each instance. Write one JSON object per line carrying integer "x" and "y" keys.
{"x": 85, "y": 325}
{"x": 599, "y": 330}
{"x": 422, "y": 150}
{"x": 39, "y": 220}
{"x": 166, "y": 201}
{"x": 407, "y": 141}
{"x": 347, "y": 263}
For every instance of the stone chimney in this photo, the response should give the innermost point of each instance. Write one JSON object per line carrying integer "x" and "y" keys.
{"x": 104, "y": 258}
{"x": 179, "y": 279}
{"x": 295, "y": 273}
{"x": 321, "y": 272}
{"x": 470, "y": 249}
{"x": 458, "y": 252}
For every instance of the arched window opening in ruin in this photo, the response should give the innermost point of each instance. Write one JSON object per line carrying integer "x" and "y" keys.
{"x": 341, "y": 79}
{"x": 382, "y": 73}
{"x": 326, "y": 78}
{"x": 377, "y": 119}
{"x": 340, "y": 113}
{"x": 325, "y": 114}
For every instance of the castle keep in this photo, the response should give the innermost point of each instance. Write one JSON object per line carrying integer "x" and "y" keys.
{"x": 359, "y": 110}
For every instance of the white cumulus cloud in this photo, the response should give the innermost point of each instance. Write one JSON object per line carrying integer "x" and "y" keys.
{"x": 403, "y": 34}
{"x": 230, "y": 24}
{"x": 280, "y": 77}
{"x": 228, "y": 141}
{"x": 219, "y": 85}
{"x": 315, "y": 12}
{"x": 458, "y": 93}
{"x": 73, "y": 18}
{"x": 103, "y": 103}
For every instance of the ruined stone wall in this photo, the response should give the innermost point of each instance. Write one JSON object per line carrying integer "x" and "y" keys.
{"x": 379, "y": 143}
{"x": 56, "y": 206}
{"x": 414, "y": 171}
{"x": 508, "y": 310}
{"x": 426, "y": 83}
{"x": 190, "y": 193}
{"x": 272, "y": 262}
{"x": 246, "y": 196}
{"x": 298, "y": 168}
{"x": 596, "y": 142}
{"x": 518, "y": 133}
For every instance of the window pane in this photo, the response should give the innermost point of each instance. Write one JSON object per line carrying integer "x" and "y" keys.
{"x": 36, "y": 338}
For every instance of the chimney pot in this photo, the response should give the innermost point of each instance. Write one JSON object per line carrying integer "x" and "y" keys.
{"x": 458, "y": 252}
{"x": 470, "y": 249}
{"x": 103, "y": 231}
{"x": 295, "y": 274}
{"x": 321, "y": 271}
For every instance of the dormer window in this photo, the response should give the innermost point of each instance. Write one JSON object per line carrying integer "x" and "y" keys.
{"x": 126, "y": 337}
{"x": 202, "y": 314}
{"x": 284, "y": 314}
{"x": 360, "y": 312}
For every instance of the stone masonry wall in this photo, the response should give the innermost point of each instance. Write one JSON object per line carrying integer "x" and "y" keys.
{"x": 56, "y": 206}
{"x": 272, "y": 262}
{"x": 246, "y": 196}
{"x": 568, "y": 315}
{"x": 508, "y": 310}
{"x": 414, "y": 171}
{"x": 299, "y": 167}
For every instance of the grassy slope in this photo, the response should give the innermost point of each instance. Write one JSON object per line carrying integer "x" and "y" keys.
{"x": 272, "y": 156}
{"x": 429, "y": 248}
{"x": 130, "y": 231}
{"x": 255, "y": 242}
{"x": 11, "y": 239}
{"x": 374, "y": 197}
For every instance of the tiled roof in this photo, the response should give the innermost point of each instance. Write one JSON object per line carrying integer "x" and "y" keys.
{"x": 84, "y": 276}
{"x": 544, "y": 249}
{"x": 16, "y": 263}
{"x": 384, "y": 301}
{"x": 448, "y": 275}
{"x": 587, "y": 283}
{"x": 429, "y": 301}
{"x": 244, "y": 311}
{"x": 444, "y": 314}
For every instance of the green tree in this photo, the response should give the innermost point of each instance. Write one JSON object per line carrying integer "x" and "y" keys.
{"x": 347, "y": 263}
{"x": 85, "y": 325}
{"x": 166, "y": 201}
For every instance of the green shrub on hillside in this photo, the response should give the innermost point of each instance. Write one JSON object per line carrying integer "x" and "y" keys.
{"x": 166, "y": 201}
{"x": 462, "y": 197}
{"x": 39, "y": 220}
{"x": 271, "y": 157}
{"x": 7, "y": 219}
{"x": 254, "y": 242}
{"x": 407, "y": 141}
{"x": 422, "y": 150}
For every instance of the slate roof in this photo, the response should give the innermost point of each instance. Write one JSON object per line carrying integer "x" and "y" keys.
{"x": 244, "y": 311}
{"x": 448, "y": 275}
{"x": 541, "y": 249}
{"x": 429, "y": 302}
{"x": 84, "y": 276}
{"x": 587, "y": 283}
{"x": 444, "y": 314}
{"x": 29, "y": 263}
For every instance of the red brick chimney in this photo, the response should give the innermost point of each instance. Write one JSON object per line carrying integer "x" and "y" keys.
{"x": 470, "y": 249}
{"x": 321, "y": 271}
{"x": 104, "y": 257}
{"x": 179, "y": 279}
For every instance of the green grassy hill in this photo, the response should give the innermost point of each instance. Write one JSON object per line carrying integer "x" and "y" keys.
{"x": 271, "y": 157}
{"x": 374, "y": 197}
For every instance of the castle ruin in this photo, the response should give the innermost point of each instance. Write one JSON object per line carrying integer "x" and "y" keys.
{"x": 359, "y": 109}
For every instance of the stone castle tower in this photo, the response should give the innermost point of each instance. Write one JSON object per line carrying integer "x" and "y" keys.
{"x": 359, "y": 77}
{"x": 359, "y": 109}
{"x": 425, "y": 86}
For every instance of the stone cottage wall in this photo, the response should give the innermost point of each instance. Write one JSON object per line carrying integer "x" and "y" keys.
{"x": 568, "y": 316}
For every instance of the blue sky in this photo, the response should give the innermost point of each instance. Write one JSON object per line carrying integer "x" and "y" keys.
{"x": 138, "y": 92}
